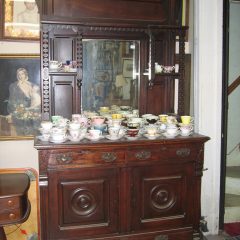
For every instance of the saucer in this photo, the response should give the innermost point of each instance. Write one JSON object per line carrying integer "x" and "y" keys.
{"x": 109, "y": 137}
{"x": 165, "y": 134}
{"x": 41, "y": 138}
{"x": 151, "y": 137}
{"x": 186, "y": 135}
{"x": 76, "y": 139}
{"x": 93, "y": 139}
{"x": 58, "y": 141}
{"x": 132, "y": 138}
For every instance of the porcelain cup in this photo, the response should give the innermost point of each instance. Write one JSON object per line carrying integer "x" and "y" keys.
{"x": 114, "y": 131}
{"x": 186, "y": 130}
{"x": 54, "y": 65}
{"x": 74, "y": 125}
{"x": 172, "y": 131}
{"x": 98, "y": 120}
{"x": 132, "y": 132}
{"x": 163, "y": 118}
{"x": 56, "y": 119}
{"x": 94, "y": 133}
{"x": 151, "y": 130}
{"x": 63, "y": 122}
{"x": 186, "y": 119}
{"x": 75, "y": 133}
{"x": 46, "y": 125}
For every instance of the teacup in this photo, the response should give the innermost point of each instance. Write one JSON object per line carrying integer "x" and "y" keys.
{"x": 75, "y": 133}
{"x": 172, "y": 131}
{"x": 56, "y": 119}
{"x": 132, "y": 132}
{"x": 163, "y": 118}
{"x": 104, "y": 109}
{"x": 186, "y": 119}
{"x": 58, "y": 136}
{"x": 98, "y": 120}
{"x": 152, "y": 130}
{"x": 152, "y": 119}
{"x": 186, "y": 130}
{"x": 74, "y": 125}
{"x": 114, "y": 131}
{"x": 101, "y": 127}
{"x": 63, "y": 122}
{"x": 54, "y": 65}
{"x": 46, "y": 125}
{"x": 116, "y": 116}
{"x": 171, "y": 119}
{"x": 168, "y": 69}
{"x": 94, "y": 133}
{"x": 133, "y": 125}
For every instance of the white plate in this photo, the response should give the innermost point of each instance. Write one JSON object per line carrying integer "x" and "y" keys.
{"x": 170, "y": 136}
{"x": 58, "y": 141}
{"x": 132, "y": 138}
{"x": 109, "y": 137}
{"x": 41, "y": 138}
{"x": 76, "y": 139}
{"x": 93, "y": 139}
{"x": 151, "y": 137}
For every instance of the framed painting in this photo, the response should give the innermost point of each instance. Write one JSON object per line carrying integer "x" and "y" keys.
{"x": 21, "y": 19}
{"x": 20, "y": 101}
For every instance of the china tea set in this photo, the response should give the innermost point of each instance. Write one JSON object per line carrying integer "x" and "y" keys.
{"x": 113, "y": 124}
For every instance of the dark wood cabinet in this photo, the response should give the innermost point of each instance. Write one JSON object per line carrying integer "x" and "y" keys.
{"x": 144, "y": 189}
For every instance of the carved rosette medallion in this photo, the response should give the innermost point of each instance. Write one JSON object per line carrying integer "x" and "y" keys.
{"x": 83, "y": 202}
{"x": 162, "y": 198}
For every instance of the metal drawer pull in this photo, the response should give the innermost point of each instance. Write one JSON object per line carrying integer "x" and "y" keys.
{"x": 12, "y": 216}
{"x": 10, "y": 203}
{"x": 109, "y": 156}
{"x": 64, "y": 158}
{"x": 183, "y": 152}
{"x": 161, "y": 237}
{"x": 143, "y": 155}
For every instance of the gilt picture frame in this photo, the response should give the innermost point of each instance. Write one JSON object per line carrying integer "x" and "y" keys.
{"x": 20, "y": 101}
{"x": 21, "y": 19}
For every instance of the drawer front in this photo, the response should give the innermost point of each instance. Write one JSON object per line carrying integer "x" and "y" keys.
{"x": 163, "y": 152}
{"x": 9, "y": 203}
{"x": 9, "y": 216}
{"x": 85, "y": 157}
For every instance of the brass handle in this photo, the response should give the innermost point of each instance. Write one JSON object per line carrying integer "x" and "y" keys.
{"x": 64, "y": 158}
{"x": 183, "y": 152}
{"x": 10, "y": 203}
{"x": 143, "y": 155}
{"x": 109, "y": 157}
{"x": 12, "y": 216}
{"x": 161, "y": 237}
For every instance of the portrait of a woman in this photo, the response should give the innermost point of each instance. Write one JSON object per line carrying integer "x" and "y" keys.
{"x": 24, "y": 103}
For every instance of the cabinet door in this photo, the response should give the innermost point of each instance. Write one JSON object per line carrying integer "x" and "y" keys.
{"x": 64, "y": 95}
{"x": 82, "y": 203}
{"x": 162, "y": 197}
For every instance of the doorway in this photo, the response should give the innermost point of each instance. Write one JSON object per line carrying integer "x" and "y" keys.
{"x": 230, "y": 180}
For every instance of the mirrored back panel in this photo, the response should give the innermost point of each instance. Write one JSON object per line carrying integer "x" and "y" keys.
{"x": 110, "y": 73}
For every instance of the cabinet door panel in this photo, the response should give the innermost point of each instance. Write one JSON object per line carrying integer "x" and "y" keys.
{"x": 63, "y": 97}
{"x": 163, "y": 196}
{"x": 85, "y": 202}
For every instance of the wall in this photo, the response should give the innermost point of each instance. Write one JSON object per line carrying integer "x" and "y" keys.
{"x": 18, "y": 154}
{"x": 234, "y": 98}
{"x": 208, "y": 34}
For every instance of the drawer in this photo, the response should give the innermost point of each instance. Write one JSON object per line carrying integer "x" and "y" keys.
{"x": 9, "y": 203}
{"x": 85, "y": 157}
{"x": 9, "y": 216}
{"x": 163, "y": 152}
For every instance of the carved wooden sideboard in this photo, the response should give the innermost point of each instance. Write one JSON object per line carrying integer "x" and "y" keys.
{"x": 143, "y": 189}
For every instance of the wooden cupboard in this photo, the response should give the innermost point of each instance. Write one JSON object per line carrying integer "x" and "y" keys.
{"x": 143, "y": 189}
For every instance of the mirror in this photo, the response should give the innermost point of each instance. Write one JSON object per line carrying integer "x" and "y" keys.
{"x": 110, "y": 73}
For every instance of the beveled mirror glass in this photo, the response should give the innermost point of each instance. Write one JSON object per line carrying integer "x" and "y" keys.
{"x": 110, "y": 73}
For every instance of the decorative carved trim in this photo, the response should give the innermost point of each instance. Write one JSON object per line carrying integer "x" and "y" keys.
{"x": 64, "y": 158}
{"x": 183, "y": 152}
{"x": 181, "y": 84}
